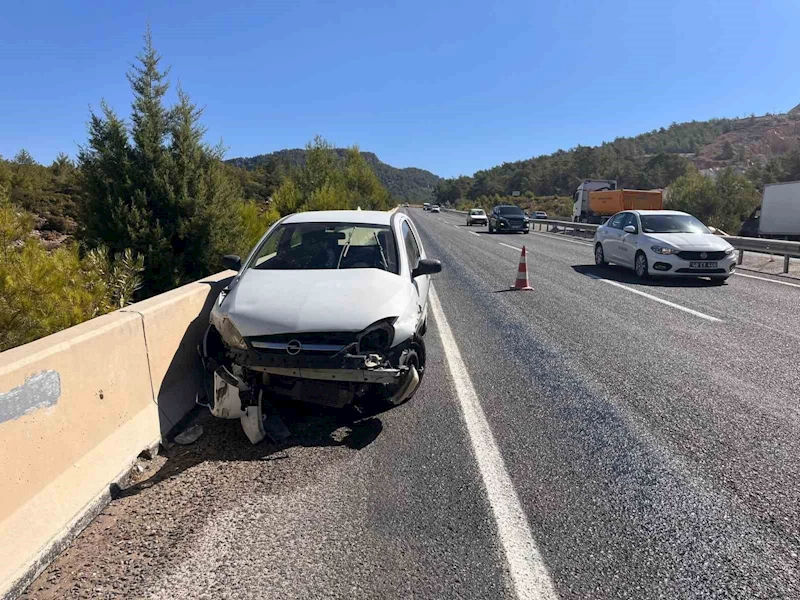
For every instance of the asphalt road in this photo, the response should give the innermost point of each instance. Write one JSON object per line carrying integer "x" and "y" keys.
{"x": 649, "y": 433}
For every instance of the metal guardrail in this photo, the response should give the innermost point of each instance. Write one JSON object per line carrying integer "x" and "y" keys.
{"x": 783, "y": 248}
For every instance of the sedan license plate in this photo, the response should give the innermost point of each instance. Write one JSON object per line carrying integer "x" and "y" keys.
{"x": 702, "y": 265}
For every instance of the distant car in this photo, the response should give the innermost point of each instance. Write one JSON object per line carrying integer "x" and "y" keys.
{"x": 476, "y": 216}
{"x": 436, "y": 208}
{"x": 538, "y": 214}
{"x": 507, "y": 217}
{"x": 663, "y": 242}
{"x": 405, "y": 204}
{"x": 426, "y": 206}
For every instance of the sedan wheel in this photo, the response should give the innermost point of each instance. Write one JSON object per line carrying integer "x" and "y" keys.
{"x": 599, "y": 257}
{"x": 640, "y": 266}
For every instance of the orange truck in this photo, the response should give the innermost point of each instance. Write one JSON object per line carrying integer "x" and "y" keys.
{"x": 610, "y": 202}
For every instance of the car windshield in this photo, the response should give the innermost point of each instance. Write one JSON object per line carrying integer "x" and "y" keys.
{"x": 510, "y": 211}
{"x": 477, "y": 211}
{"x": 672, "y": 224}
{"x": 301, "y": 246}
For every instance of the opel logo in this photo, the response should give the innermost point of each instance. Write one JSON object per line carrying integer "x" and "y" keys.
{"x": 294, "y": 347}
{"x": 703, "y": 255}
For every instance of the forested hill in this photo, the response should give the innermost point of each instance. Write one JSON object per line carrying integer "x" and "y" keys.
{"x": 411, "y": 184}
{"x": 764, "y": 149}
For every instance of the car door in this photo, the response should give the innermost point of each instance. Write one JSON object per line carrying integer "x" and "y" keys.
{"x": 421, "y": 284}
{"x": 612, "y": 234}
{"x": 628, "y": 242}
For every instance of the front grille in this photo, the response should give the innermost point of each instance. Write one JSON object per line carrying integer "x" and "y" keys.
{"x": 316, "y": 342}
{"x": 692, "y": 255}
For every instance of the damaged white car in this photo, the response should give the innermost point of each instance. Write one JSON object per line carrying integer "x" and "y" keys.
{"x": 330, "y": 307}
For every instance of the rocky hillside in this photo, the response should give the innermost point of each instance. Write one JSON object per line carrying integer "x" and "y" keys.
{"x": 409, "y": 184}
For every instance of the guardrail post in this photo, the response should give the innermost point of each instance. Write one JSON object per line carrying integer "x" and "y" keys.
{"x": 740, "y": 257}
{"x": 785, "y": 263}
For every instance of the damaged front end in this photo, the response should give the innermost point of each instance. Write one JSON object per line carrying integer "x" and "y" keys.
{"x": 333, "y": 369}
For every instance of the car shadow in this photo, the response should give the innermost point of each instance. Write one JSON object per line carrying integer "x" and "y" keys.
{"x": 487, "y": 232}
{"x": 623, "y": 275}
{"x": 224, "y": 440}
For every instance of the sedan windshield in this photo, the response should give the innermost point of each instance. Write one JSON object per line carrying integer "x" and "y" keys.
{"x": 510, "y": 211}
{"x": 477, "y": 212}
{"x": 672, "y": 224}
{"x": 327, "y": 246}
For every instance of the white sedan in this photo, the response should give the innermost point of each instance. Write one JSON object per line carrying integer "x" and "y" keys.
{"x": 330, "y": 307}
{"x": 476, "y": 216}
{"x": 663, "y": 242}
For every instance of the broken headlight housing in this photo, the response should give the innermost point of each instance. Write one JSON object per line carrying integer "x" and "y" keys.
{"x": 230, "y": 335}
{"x": 377, "y": 337}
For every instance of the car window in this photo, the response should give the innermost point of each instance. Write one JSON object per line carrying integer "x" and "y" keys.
{"x": 617, "y": 220}
{"x": 630, "y": 219}
{"x": 510, "y": 211}
{"x": 672, "y": 224}
{"x": 412, "y": 247}
{"x": 298, "y": 246}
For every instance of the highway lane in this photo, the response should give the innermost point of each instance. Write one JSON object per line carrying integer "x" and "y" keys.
{"x": 389, "y": 505}
{"x": 655, "y": 451}
{"x": 652, "y": 453}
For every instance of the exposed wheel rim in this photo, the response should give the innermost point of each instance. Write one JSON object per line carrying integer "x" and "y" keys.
{"x": 641, "y": 265}
{"x": 598, "y": 255}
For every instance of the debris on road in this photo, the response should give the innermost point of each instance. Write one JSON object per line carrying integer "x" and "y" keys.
{"x": 190, "y": 436}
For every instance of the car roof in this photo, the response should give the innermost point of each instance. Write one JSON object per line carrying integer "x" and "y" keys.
{"x": 371, "y": 217}
{"x": 507, "y": 206}
{"x": 657, "y": 212}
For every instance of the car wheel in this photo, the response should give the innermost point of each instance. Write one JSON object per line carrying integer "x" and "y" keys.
{"x": 525, "y": 232}
{"x": 640, "y": 265}
{"x": 599, "y": 256}
{"x": 414, "y": 356}
{"x": 718, "y": 280}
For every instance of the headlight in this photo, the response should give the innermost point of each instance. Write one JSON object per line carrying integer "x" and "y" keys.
{"x": 730, "y": 251}
{"x": 663, "y": 250}
{"x": 230, "y": 335}
{"x": 377, "y": 337}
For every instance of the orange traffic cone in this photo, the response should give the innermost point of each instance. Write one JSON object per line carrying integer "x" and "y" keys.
{"x": 522, "y": 274}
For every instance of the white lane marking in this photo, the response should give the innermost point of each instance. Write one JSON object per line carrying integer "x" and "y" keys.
{"x": 473, "y": 233}
{"x": 510, "y": 246}
{"x": 528, "y": 571}
{"x": 657, "y": 299}
{"x": 767, "y": 279}
{"x": 556, "y": 236}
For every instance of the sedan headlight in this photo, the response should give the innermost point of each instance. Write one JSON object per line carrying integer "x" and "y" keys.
{"x": 377, "y": 337}
{"x": 730, "y": 251}
{"x": 230, "y": 335}
{"x": 663, "y": 250}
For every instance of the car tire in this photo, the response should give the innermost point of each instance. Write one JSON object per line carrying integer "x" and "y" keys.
{"x": 599, "y": 255}
{"x": 640, "y": 266}
{"x": 718, "y": 280}
{"x": 415, "y": 356}
{"x": 526, "y": 232}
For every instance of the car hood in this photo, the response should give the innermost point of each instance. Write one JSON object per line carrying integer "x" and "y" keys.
{"x": 271, "y": 302}
{"x": 690, "y": 241}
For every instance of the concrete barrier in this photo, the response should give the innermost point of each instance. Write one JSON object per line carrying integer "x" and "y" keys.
{"x": 78, "y": 407}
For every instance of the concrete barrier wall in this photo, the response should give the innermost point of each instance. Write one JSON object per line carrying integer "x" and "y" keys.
{"x": 78, "y": 407}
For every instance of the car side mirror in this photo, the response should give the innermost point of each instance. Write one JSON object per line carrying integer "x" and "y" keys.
{"x": 629, "y": 229}
{"x": 427, "y": 266}
{"x": 232, "y": 261}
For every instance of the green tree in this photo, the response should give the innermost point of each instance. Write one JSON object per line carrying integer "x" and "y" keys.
{"x": 723, "y": 203}
{"x": 155, "y": 186}
{"x": 43, "y": 292}
{"x": 326, "y": 182}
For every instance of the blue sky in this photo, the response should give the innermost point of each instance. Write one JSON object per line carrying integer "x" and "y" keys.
{"x": 452, "y": 87}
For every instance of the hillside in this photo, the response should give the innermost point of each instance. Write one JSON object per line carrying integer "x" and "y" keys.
{"x": 410, "y": 183}
{"x": 764, "y": 148}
